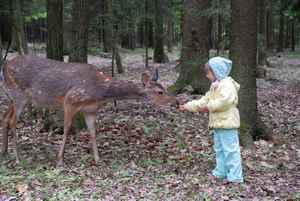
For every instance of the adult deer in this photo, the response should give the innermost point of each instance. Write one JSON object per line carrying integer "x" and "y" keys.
{"x": 72, "y": 86}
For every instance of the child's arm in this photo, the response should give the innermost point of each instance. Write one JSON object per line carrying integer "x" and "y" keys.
{"x": 227, "y": 97}
{"x": 196, "y": 105}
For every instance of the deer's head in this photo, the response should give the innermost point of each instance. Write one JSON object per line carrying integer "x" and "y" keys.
{"x": 155, "y": 92}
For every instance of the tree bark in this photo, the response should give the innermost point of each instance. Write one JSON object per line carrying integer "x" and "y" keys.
{"x": 169, "y": 33}
{"x": 293, "y": 40}
{"x": 108, "y": 26}
{"x": 281, "y": 28}
{"x": 18, "y": 26}
{"x": 220, "y": 28}
{"x": 159, "y": 55}
{"x": 262, "y": 33}
{"x": 243, "y": 54}
{"x": 195, "y": 47}
{"x": 146, "y": 33}
{"x": 80, "y": 25}
{"x": 55, "y": 29}
{"x": 1, "y": 46}
{"x": 269, "y": 26}
{"x": 287, "y": 32}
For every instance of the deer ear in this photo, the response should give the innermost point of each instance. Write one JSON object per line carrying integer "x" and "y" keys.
{"x": 145, "y": 79}
{"x": 155, "y": 76}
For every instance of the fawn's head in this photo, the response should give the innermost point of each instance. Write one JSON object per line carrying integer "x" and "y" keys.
{"x": 155, "y": 92}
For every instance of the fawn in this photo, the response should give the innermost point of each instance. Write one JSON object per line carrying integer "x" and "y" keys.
{"x": 73, "y": 87}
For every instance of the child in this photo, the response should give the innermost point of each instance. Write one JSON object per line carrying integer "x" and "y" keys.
{"x": 221, "y": 103}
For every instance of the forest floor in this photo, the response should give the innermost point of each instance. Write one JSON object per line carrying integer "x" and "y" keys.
{"x": 156, "y": 154}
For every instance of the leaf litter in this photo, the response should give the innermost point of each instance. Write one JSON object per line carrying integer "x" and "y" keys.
{"x": 152, "y": 153}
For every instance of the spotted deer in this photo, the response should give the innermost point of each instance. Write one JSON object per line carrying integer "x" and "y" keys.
{"x": 74, "y": 87}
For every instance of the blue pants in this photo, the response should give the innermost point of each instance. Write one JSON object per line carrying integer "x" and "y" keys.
{"x": 228, "y": 155}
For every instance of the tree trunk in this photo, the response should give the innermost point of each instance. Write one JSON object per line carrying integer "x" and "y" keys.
{"x": 262, "y": 33}
{"x": 281, "y": 28}
{"x": 269, "y": 26}
{"x": 1, "y": 46}
{"x": 293, "y": 41}
{"x": 108, "y": 26}
{"x": 169, "y": 33}
{"x": 146, "y": 32}
{"x": 287, "y": 32}
{"x": 159, "y": 55}
{"x": 80, "y": 25}
{"x": 195, "y": 47}
{"x": 18, "y": 26}
{"x": 140, "y": 33}
{"x": 243, "y": 54}
{"x": 211, "y": 33}
{"x": 220, "y": 28}
{"x": 55, "y": 29}
{"x": 120, "y": 68}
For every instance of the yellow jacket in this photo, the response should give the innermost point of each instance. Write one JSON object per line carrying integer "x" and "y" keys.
{"x": 221, "y": 102}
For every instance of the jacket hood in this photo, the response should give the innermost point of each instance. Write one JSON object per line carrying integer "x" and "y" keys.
{"x": 220, "y": 66}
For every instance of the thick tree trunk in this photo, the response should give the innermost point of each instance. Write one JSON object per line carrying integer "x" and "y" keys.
{"x": 195, "y": 47}
{"x": 18, "y": 26}
{"x": 262, "y": 33}
{"x": 55, "y": 29}
{"x": 80, "y": 25}
{"x": 159, "y": 55}
{"x": 243, "y": 53}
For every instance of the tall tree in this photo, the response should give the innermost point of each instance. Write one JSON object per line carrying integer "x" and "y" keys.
{"x": 18, "y": 26}
{"x": 243, "y": 53}
{"x": 262, "y": 32}
{"x": 55, "y": 29}
{"x": 195, "y": 47}
{"x": 107, "y": 25}
{"x": 281, "y": 27}
{"x": 80, "y": 25}
{"x": 159, "y": 55}
{"x": 269, "y": 25}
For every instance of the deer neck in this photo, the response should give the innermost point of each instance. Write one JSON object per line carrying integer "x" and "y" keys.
{"x": 121, "y": 89}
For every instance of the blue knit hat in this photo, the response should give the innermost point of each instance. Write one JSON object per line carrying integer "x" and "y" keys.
{"x": 220, "y": 66}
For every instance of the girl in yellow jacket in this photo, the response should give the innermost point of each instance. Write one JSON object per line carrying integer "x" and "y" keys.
{"x": 221, "y": 102}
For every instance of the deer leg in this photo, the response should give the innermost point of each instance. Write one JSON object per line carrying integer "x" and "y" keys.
{"x": 69, "y": 113}
{"x": 17, "y": 110}
{"x": 90, "y": 120}
{"x": 5, "y": 126}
